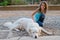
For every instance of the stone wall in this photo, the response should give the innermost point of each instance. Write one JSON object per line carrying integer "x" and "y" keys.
{"x": 26, "y": 7}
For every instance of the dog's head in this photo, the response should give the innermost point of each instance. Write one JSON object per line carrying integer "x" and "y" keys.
{"x": 33, "y": 33}
{"x": 33, "y": 30}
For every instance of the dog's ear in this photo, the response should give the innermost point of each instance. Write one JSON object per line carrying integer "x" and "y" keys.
{"x": 29, "y": 30}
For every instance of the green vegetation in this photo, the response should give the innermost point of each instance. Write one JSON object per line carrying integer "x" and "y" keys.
{"x": 54, "y": 2}
{"x": 25, "y": 2}
{"x": 12, "y": 2}
{"x": 5, "y": 2}
{"x": 34, "y": 1}
{"x": 18, "y": 2}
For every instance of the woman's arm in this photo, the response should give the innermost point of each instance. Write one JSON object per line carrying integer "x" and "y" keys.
{"x": 35, "y": 12}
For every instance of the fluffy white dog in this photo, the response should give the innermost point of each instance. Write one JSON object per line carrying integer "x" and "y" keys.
{"x": 29, "y": 25}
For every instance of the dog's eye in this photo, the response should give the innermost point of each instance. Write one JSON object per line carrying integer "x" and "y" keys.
{"x": 33, "y": 32}
{"x": 36, "y": 32}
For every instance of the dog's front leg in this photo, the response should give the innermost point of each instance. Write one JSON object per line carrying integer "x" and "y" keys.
{"x": 39, "y": 33}
{"x": 46, "y": 31}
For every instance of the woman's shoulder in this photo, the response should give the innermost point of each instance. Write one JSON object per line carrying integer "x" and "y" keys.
{"x": 36, "y": 16}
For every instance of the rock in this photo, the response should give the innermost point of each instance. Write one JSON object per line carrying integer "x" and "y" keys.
{"x": 41, "y": 38}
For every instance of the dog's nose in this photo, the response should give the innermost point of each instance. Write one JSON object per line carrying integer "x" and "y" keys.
{"x": 35, "y": 36}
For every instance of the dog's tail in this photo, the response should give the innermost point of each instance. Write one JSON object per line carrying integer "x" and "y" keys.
{"x": 9, "y": 25}
{"x": 49, "y": 33}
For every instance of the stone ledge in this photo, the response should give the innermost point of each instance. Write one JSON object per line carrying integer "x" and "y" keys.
{"x": 40, "y": 38}
{"x": 26, "y": 7}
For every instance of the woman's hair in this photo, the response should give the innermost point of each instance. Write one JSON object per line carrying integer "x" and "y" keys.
{"x": 46, "y": 6}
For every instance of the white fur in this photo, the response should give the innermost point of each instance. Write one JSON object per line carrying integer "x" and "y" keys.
{"x": 28, "y": 24}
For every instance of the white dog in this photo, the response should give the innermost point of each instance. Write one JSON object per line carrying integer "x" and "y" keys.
{"x": 29, "y": 25}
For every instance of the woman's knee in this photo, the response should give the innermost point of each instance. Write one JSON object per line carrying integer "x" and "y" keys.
{"x": 40, "y": 23}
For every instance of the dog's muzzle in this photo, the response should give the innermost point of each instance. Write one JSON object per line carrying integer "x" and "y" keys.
{"x": 35, "y": 36}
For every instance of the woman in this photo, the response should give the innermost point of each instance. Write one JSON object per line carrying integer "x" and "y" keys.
{"x": 39, "y": 14}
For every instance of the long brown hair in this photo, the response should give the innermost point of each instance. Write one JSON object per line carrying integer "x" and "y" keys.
{"x": 46, "y": 6}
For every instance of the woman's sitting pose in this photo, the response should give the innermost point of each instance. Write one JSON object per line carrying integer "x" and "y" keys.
{"x": 39, "y": 14}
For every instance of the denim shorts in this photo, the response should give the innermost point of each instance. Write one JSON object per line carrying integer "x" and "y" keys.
{"x": 40, "y": 23}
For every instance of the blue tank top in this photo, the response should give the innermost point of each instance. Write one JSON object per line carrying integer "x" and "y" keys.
{"x": 39, "y": 17}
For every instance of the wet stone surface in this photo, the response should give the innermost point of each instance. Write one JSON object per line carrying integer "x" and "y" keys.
{"x": 51, "y": 23}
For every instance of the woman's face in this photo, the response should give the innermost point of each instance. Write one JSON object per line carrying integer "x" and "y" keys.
{"x": 42, "y": 6}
